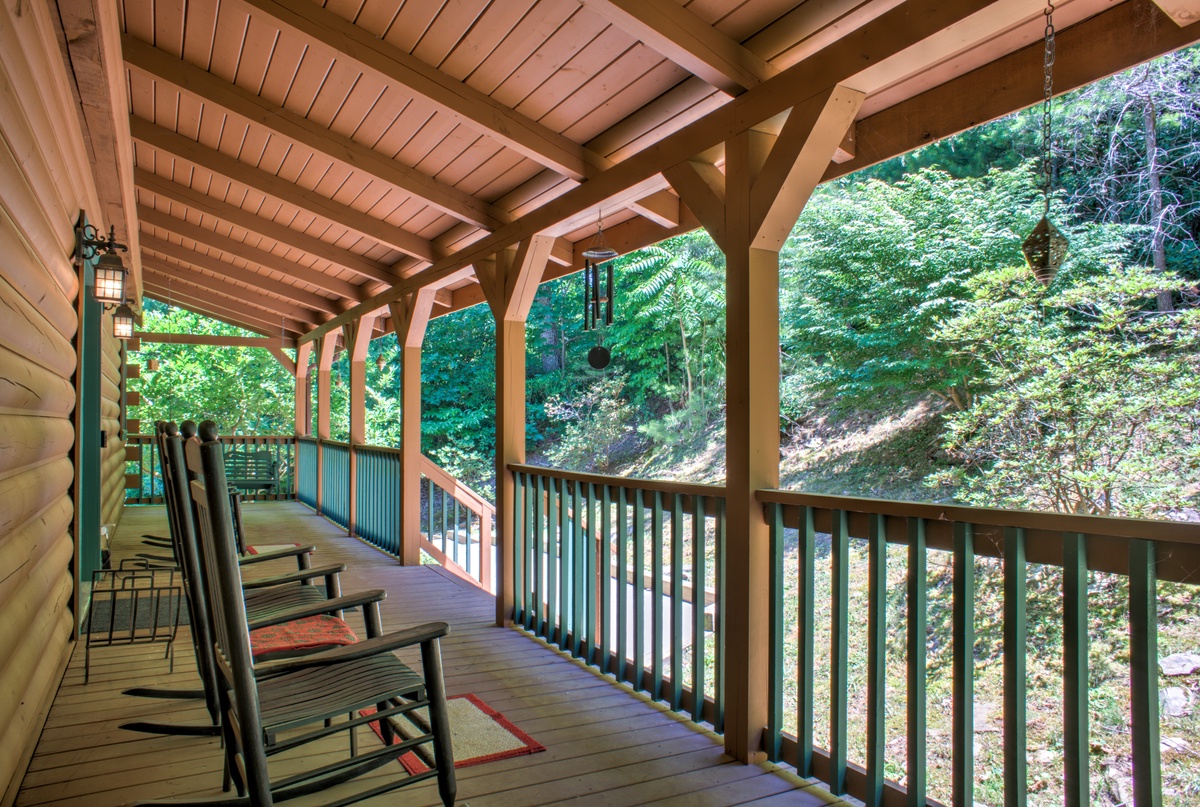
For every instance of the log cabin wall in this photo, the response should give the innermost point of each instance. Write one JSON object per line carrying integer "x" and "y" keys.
{"x": 45, "y": 180}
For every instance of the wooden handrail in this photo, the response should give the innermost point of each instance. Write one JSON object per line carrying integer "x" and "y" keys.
{"x": 630, "y": 482}
{"x": 442, "y": 478}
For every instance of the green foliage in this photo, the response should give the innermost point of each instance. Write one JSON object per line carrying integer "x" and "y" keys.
{"x": 242, "y": 390}
{"x": 1090, "y": 395}
{"x": 598, "y": 428}
{"x": 872, "y": 269}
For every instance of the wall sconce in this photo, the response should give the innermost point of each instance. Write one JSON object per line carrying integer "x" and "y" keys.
{"x": 123, "y": 322}
{"x": 110, "y": 271}
{"x": 380, "y": 362}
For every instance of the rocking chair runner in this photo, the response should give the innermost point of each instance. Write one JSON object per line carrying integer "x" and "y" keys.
{"x": 302, "y": 695}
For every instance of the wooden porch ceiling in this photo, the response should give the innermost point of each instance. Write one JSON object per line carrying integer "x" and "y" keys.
{"x": 298, "y": 163}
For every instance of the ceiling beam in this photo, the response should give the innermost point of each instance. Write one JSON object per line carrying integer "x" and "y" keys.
{"x": 661, "y": 207}
{"x": 1183, "y": 12}
{"x": 215, "y": 341}
{"x": 280, "y": 233}
{"x": 688, "y": 41}
{"x": 1086, "y": 52}
{"x": 151, "y": 217}
{"x": 210, "y": 305}
{"x": 364, "y": 224}
{"x": 162, "y": 66}
{"x": 216, "y": 266}
{"x": 244, "y": 300}
{"x": 456, "y": 99}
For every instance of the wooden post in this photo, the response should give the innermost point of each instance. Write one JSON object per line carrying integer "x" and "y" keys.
{"x": 324, "y": 363}
{"x": 303, "y": 426}
{"x": 510, "y": 283}
{"x": 749, "y": 211}
{"x": 358, "y": 340}
{"x": 410, "y": 317}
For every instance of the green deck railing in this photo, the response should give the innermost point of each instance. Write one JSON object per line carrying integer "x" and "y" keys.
{"x": 626, "y": 575}
{"x": 307, "y": 476}
{"x": 335, "y": 482}
{"x": 1144, "y": 550}
{"x": 377, "y": 515}
{"x": 142, "y": 461}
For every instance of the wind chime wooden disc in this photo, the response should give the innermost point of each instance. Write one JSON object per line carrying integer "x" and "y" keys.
{"x": 599, "y": 357}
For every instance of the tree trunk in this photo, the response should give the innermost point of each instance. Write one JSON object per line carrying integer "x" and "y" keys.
{"x": 1158, "y": 239}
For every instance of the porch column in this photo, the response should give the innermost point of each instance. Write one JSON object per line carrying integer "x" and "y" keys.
{"x": 358, "y": 340}
{"x": 510, "y": 283}
{"x": 303, "y": 424}
{"x": 770, "y": 172}
{"x": 410, "y": 317}
{"x": 325, "y": 353}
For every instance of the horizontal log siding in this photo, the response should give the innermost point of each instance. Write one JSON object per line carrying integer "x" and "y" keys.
{"x": 45, "y": 180}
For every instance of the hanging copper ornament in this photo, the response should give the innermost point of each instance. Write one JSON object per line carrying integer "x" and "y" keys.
{"x": 1046, "y": 247}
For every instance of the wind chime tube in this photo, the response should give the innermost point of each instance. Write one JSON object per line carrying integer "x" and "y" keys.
{"x": 608, "y": 308}
{"x": 587, "y": 293}
{"x": 595, "y": 294}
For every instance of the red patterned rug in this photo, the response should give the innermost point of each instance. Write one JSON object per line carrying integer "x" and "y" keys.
{"x": 478, "y": 732}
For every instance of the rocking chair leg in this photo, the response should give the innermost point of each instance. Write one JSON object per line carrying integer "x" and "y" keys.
{"x": 439, "y": 718}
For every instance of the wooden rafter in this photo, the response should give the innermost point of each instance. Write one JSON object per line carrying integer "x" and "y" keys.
{"x": 162, "y": 66}
{"x": 215, "y": 341}
{"x": 216, "y": 266}
{"x": 280, "y": 233}
{"x": 213, "y": 306}
{"x": 685, "y": 39}
{"x": 259, "y": 257}
{"x": 240, "y": 298}
{"x": 364, "y": 224}
{"x": 461, "y": 101}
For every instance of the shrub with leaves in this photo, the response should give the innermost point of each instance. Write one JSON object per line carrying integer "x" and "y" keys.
{"x": 1090, "y": 400}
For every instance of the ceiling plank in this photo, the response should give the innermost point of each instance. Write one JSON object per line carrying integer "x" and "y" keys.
{"x": 217, "y": 266}
{"x": 259, "y": 257}
{"x": 684, "y": 38}
{"x": 281, "y": 233}
{"x": 209, "y": 305}
{"x": 239, "y": 298}
{"x": 234, "y": 169}
{"x": 162, "y": 66}
{"x": 461, "y": 101}
{"x": 1183, "y": 12}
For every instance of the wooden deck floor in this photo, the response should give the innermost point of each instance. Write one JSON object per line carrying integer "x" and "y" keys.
{"x": 605, "y": 745}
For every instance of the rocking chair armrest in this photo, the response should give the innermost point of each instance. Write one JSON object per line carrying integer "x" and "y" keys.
{"x": 275, "y": 554}
{"x": 294, "y": 577}
{"x": 359, "y": 650}
{"x": 362, "y": 598}
{"x": 156, "y": 558}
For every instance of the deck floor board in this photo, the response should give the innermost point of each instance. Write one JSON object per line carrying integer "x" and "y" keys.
{"x": 605, "y": 744}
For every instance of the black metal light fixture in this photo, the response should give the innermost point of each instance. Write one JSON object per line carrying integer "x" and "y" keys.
{"x": 109, "y": 288}
{"x": 123, "y": 319}
{"x": 380, "y": 362}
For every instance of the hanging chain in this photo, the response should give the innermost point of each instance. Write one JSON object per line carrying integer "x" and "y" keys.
{"x": 1047, "y": 89}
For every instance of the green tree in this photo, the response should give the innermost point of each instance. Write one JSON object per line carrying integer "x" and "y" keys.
{"x": 1090, "y": 396}
{"x": 240, "y": 389}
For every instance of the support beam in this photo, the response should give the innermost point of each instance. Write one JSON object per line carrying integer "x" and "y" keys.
{"x": 231, "y": 168}
{"x": 684, "y": 38}
{"x": 661, "y": 207}
{"x": 325, "y": 353}
{"x": 150, "y": 217}
{"x": 454, "y": 98}
{"x": 284, "y": 360}
{"x": 218, "y": 267}
{"x": 303, "y": 422}
{"x": 152, "y": 290}
{"x": 265, "y": 342}
{"x": 767, "y": 179}
{"x": 358, "y": 342}
{"x": 1183, "y": 12}
{"x": 162, "y": 66}
{"x": 410, "y": 317}
{"x": 510, "y": 282}
{"x": 200, "y": 202}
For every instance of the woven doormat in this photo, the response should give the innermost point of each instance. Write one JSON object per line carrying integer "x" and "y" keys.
{"x": 478, "y": 733}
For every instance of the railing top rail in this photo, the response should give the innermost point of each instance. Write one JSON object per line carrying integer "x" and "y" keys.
{"x": 685, "y": 488}
{"x": 306, "y": 438}
{"x": 1171, "y": 531}
{"x": 225, "y": 438}
{"x": 443, "y": 479}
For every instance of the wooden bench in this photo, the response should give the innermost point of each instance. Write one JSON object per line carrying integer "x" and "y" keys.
{"x": 252, "y": 470}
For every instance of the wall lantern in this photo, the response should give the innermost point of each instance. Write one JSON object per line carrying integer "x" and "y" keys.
{"x": 123, "y": 322}
{"x": 110, "y": 270}
{"x": 380, "y": 362}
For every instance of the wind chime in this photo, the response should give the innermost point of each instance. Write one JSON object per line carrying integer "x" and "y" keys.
{"x": 1046, "y": 247}
{"x": 597, "y": 297}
